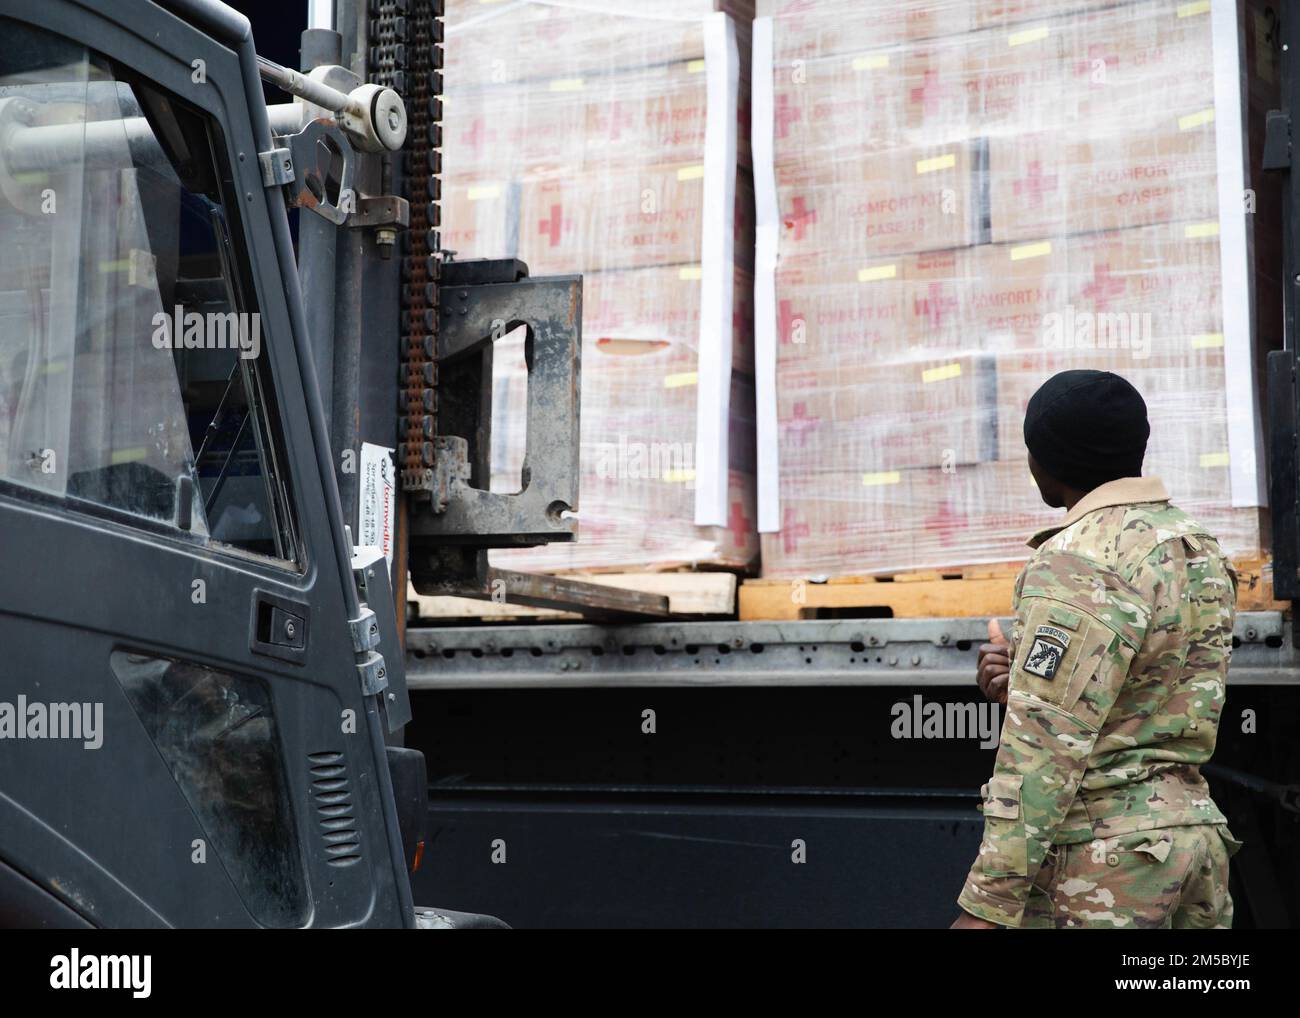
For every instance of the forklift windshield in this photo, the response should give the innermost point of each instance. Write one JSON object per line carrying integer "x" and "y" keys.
{"x": 130, "y": 351}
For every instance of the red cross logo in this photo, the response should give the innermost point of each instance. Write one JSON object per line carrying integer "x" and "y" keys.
{"x": 739, "y": 524}
{"x": 1034, "y": 184}
{"x": 786, "y": 114}
{"x": 800, "y": 219}
{"x": 930, "y": 92}
{"x": 552, "y": 227}
{"x": 799, "y": 423}
{"x": 1103, "y": 287}
{"x": 933, "y": 307}
{"x": 944, "y": 522}
{"x": 791, "y": 531}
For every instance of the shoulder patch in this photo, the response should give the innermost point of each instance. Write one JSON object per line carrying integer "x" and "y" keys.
{"x": 1046, "y": 652}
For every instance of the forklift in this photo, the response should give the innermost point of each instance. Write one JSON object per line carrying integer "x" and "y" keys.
{"x": 181, "y": 432}
{"x": 246, "y": 400}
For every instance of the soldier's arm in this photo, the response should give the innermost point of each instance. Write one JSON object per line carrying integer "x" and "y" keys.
{"x": 1079, "y": 626}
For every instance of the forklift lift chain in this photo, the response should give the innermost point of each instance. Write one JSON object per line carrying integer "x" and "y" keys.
{"x": 405, "y": 53}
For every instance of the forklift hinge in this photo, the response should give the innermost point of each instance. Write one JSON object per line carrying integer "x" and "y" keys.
{"x": 365, "y": 631}
{"x": 374, "y": 674}
{"x": 277, "y": 167}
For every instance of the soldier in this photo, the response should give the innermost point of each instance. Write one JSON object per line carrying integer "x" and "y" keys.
{"x": 1097, "y": 814}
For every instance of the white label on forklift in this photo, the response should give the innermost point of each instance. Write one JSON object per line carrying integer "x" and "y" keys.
{"x": 377, "y": 515}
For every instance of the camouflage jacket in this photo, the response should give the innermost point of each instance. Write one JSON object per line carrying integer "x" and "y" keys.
{"x": 1119, "y": 660}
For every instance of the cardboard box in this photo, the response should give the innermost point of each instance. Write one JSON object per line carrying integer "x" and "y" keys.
{"x": 811, "y": 28}
{"x": 620, "y": 218}
{"x": 884, "y": 417}
{"x": 1050, "y": 184}
{"x": 829, "y": 310}
{"x": 1123, "y": 56}
{"x": 610, "y": 119}
{"x": 833, "y": 524}
{"x": 551, "y": 44}
{"x": 895, "y": 202}
{"x": 637, "y": 311}
{"x": 844, "y": 107}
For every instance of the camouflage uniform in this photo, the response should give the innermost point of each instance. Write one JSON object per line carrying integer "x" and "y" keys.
{"x": 1097, "y": 813}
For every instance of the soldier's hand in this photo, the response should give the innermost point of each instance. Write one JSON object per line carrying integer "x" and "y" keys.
{"x": 993, "y": 669}
{"x": 966, "y": 921}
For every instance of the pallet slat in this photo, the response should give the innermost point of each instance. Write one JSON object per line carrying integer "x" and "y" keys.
{"x": 687, "y": 593}
{"x": 981, "y": 592}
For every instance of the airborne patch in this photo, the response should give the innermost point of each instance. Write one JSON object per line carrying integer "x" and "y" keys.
{"x": 1046, "y": 652}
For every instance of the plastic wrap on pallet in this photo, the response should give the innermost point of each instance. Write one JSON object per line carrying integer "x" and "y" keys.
{"x": 956, "y": 200}
{"x": 587, "y": 137}
{"x": 639, "y": 466}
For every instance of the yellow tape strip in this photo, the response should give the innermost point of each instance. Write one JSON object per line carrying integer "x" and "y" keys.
{"x": 872, "y": 63}
{"x": 1193, "y": 9}
{"x": 679, "y": 476}
{"x": 1029, "y": 35}
{"x": 1019, "y": 254}
{"x": 681, "y": 378}
{"x": 566, "y": 85}
{"x": 691, "y": 272}
{"x": 127, "y": 455}
{"x": 1207, "y": 341}
{"x": 691, "y": 172}
{"x": 483, "y": 191}
{"x": 877, "y": 272}
{"x": 695, "y": 67}
{"x": 1201, "y": 230}
{"x": 1214, "y": 459}
{"x": 945, "y": 162}
{"x": 884, "y": 477}
{"x": 1198, "y": 119}
{"x": 940, "y": 374}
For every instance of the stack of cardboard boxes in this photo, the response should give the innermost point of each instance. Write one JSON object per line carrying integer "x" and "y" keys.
{"x": 991, "y": 193}
{"x": 589, "y": 138}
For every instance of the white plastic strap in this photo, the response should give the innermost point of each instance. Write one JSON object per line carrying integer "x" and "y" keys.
{"x": 1245, "y": 447}
{"x": 768, "y": 237}
{"x": 718, "y": 273}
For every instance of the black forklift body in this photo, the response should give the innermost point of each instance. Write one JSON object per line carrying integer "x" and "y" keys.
{"x": 195, "y": 733}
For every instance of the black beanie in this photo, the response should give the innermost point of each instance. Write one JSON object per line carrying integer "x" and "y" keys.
{"x": 1087, "y": 427}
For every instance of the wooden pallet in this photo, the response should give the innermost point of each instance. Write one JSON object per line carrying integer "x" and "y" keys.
{"x": 689, "y": 594}
{"x": 975, "y": 592}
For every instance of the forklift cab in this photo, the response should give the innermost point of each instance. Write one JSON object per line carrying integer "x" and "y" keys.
{"x": 194, "y": 700}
